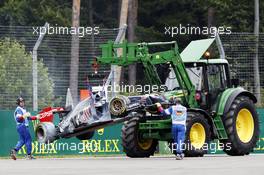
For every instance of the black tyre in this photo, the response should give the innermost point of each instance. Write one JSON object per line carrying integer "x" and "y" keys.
{"x": 133, "y": 145}
{"x": 242, "y": 127}
{"x": 85, "y": 136}
{"x": 197, "y": 135}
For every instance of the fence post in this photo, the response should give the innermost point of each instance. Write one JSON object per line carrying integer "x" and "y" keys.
{"x": 256, "y": 58}
{"x": 35, "y": 66}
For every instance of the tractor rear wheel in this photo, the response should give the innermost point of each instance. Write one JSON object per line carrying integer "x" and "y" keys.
{"x": 197, "y": 135}
{"x": 242, "y": 127}
{"x": 133, "y": 144}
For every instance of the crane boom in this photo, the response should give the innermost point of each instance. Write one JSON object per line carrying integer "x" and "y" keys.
{"x": 139, "y": 53}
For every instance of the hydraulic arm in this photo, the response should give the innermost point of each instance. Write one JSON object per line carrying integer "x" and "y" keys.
{"x": 139, "y": 53}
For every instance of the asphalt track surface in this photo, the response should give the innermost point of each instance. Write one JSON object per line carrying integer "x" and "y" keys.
{"x": 213, "y": 165}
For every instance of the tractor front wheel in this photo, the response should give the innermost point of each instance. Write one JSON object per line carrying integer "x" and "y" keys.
{"x": 197, "y": 135}
{"x": 133, "y": 144}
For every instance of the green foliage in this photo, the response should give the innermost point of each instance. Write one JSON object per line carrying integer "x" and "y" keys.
{"x": 16, "y": 76}
{"x": 35, "y": 12}
{"x": 154, "y": 15}
{"x": 239, "y": 14}
{"x": 105, "y": 13}
{"x": 57, "y": 12}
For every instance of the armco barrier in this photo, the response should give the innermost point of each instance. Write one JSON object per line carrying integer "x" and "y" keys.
{"x": 106, "y": 141}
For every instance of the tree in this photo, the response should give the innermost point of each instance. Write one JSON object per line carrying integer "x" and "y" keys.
{"x": 91, "y": 22}
{"x": 16, "y": 76}
{"x": 35, "y": 12}
{"x": 74, "y": 67}
{"x": 117, "y": 70}
{"x": 132, "y": 22}
{"x": 237, "y": 14}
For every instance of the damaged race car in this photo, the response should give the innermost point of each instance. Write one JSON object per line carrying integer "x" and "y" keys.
{"x": 91, "y": 114}
{"x": 73, "y": 120}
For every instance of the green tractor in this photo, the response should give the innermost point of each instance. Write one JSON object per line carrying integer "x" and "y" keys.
{"x": 217, "y": 108}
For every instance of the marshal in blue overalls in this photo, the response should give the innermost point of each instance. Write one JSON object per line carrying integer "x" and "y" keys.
{"x": 22, "y": 118}
{"x": 178, "y": 115}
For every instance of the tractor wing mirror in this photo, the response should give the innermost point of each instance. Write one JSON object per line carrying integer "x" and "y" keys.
{"x": 235, "y": 82}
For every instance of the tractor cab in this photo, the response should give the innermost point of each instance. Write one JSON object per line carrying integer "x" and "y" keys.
{"x": 208, "y": 73}
{"x": 210, "y": 78}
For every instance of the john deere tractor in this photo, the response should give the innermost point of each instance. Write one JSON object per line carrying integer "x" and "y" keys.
{"x": 217, "y": 108}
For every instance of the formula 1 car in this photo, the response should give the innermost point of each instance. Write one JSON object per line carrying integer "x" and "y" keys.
{"x": 91, "y": 114}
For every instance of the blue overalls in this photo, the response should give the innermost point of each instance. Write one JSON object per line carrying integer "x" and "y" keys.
{"x": 178, "y": 115}
{"x": 23, "y": 130}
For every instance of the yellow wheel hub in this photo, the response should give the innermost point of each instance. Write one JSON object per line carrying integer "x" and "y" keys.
{"x": 197, "y": 135}
{"x": 245, "y": 125}
{"x": 145, "y": 144}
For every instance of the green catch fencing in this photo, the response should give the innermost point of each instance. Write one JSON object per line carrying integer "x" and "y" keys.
{"x": 106, "y": 141}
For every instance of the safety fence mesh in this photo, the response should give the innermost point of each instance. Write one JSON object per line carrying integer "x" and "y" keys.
{"x": 54, "y": 53}
{"x": 240, "y": 50}
{"x": 54, "y": 56}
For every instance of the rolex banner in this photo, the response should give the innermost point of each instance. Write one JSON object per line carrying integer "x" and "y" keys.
{"x": 105, "y": 141}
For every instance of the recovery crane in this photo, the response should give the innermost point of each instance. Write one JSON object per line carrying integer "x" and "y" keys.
{"x": 217, "y": 108}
